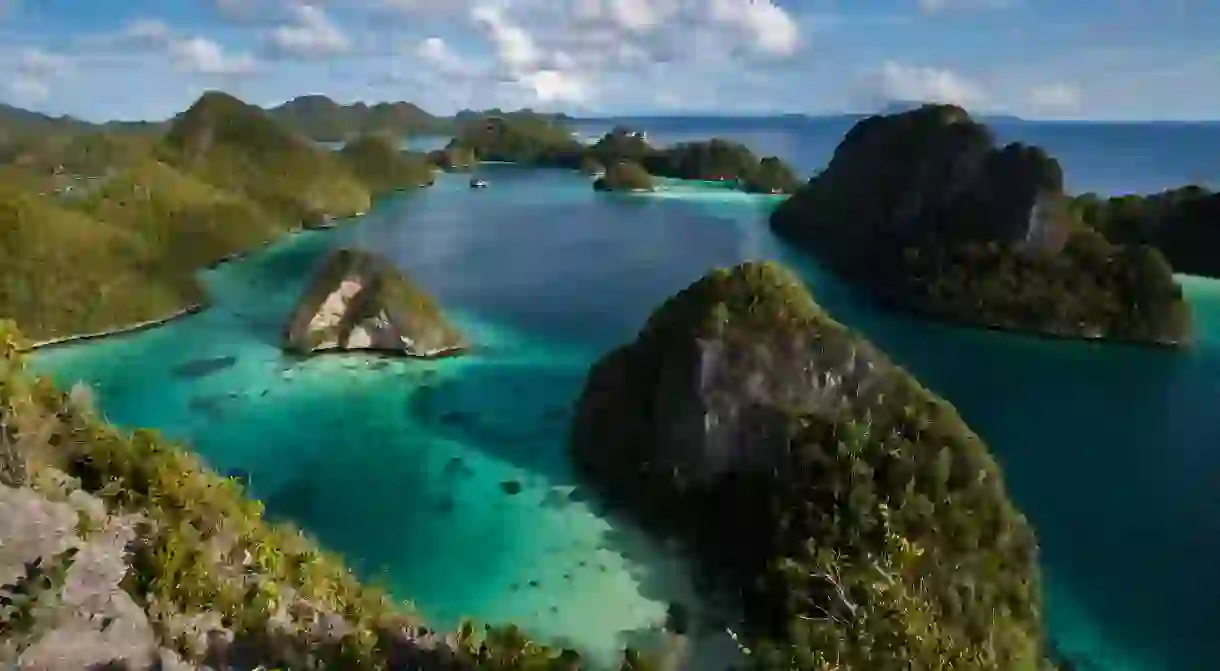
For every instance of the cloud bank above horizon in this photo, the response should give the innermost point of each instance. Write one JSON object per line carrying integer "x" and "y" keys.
{"x": 1108, "y": 59}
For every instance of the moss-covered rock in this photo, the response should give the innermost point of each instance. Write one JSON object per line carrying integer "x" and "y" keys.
{"x": 624, "y": 176}
{"x": 360, "y": 301}
{"x": 772, "y": 176}
{"x": 378, "y": 162}
{"x": 591, "y": 166}
{"x": 923, "y": 208}
{"x": 455, "y": 157}
{"x": 862, "y": 523}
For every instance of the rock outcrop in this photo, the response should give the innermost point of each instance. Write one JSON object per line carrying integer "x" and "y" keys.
{"x": 852, "y": 510}
{"x": 624, "y": 176}
{"x": 924, "y": 209}
{"x": 360, "y": 301}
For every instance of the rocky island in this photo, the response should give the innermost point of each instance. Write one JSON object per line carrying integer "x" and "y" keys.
{"x": 860, "y": 523}
{"x": 360, "y": 301}
{"x": 925, "y": 210}
{"x": 547, "y": 143}
{"x": 625, "y": 176}
{"x": 1182, "y": 223}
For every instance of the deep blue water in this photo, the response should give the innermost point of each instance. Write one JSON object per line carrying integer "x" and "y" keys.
{"x": 1111, "y": 450}
{"x": 1109, "y": 158}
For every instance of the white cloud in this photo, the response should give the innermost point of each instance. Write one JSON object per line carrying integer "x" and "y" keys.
{"x": 203, "y": 56}
{"x": 899, "y": 81}
{"x": 439, "y": 55}
{"x": 36, "y": 63}
{"x": 151, "y": 31}
{"x": 762, "y": 24}
{"x": 515, "y": 48}
{"x": 1055, "y": 98}
{"x": 310, "y": 34}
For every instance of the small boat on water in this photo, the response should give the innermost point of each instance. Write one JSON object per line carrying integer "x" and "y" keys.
{"x": 476, "y": 183}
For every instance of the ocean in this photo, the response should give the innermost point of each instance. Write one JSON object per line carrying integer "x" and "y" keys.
{"x": 408, "y": 468}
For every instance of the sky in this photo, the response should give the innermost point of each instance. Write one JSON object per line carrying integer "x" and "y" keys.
{"x": 1078, "y": 59}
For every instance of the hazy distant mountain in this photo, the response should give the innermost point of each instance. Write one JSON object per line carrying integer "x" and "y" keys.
{"x": 899, "y": 106}
{"x": 323, "y": 119}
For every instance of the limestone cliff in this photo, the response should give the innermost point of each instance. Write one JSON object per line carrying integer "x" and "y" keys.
{"x": 858, "y": 519}
{"x": 925, "y": 209}
{"x": 359, "y": 301}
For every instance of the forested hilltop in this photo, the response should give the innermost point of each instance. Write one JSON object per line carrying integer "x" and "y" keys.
{"x": 925, "y": 210}
{"x": 104, "y": 229}
{"x": 546, "y": 142}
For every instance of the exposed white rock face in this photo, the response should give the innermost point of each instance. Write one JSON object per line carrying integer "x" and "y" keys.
{"x": 91, "y": 620}
{"x": 727, "y": 407}
{"x": 330, "y": 313}
{"x": 361, "y": 302}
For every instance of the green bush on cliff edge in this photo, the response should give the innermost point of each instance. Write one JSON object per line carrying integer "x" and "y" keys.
{"x": 204, "y": 550}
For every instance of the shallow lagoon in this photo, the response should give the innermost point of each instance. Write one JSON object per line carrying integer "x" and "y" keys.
{"x": 409, "y": 468}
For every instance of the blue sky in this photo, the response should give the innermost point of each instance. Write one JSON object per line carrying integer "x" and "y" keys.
{"x": 1100, "y": 59}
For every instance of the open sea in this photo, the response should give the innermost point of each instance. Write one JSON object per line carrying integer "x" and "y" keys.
{"x": 409, "y": 468}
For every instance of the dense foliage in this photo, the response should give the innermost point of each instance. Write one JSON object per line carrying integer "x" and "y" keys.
{"x": 1183, "y": 223}
{"x": 204, "y": 554}
{"x": 382, "y": 166}
{"x": 238, "y": 147}
{"x": 859, "y": 520}
{"x": 624, "y": 176}
{"x": 772, "y": 176}
{"x": 105, "y": 230}
{"x": 455, "y": 156}
{"x": 322, "y": 119}
{"x": 923, "y": 209}
{"x": 546, "y": 142}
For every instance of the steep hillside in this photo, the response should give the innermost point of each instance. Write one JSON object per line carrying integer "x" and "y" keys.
{"x": 320, "y": 118}
{"x": 238, "y": 147}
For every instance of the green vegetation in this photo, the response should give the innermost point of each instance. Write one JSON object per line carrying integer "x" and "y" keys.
{"x": 237, "y": 147}
{"x": 203, "y": 553}
{"x": 858, "y": 519}
{"x": 591, "y": 166}
{"x": 542, "y": 141}
{"x": 383, "y": 303}
{"x": 122, "y": 221}
{"x": 924, "y": 210}
{"x": 772, "y": 176}
{"x": 454, "y": 157}
{"x": 624, "y": 176}
{"x": 322, "y": 119}
{"x": 379, "y": 164}
{"x": 1184, "y": 224}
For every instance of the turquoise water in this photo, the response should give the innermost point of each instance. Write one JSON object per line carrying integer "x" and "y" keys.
{"x": 406, "y": 467}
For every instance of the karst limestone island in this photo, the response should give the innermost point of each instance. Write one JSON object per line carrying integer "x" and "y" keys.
{"x": 858, "y": 522}
{"x": 359, "y": 301}
{"x": 925, "y": 211}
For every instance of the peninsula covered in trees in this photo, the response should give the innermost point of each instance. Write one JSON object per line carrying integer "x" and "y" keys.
{"x": 924, "y": 210}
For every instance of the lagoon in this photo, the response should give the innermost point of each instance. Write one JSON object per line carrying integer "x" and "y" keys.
{"x": 407, "y": 467}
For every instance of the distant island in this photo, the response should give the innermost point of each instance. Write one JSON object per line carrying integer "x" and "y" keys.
{"x": 545, "y": 143}
{"x": 925, "y": 211}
